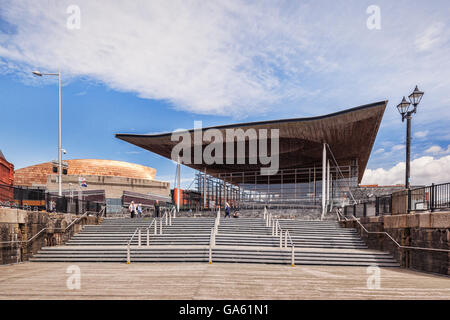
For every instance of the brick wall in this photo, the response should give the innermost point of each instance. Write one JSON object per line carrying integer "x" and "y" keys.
{"x": 6, "y": 178}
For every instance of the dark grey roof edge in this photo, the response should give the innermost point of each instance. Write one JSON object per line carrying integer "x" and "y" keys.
{"x": 366, "y": 106}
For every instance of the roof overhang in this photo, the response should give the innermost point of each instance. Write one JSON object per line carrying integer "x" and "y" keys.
{"x": 350, "y": 134}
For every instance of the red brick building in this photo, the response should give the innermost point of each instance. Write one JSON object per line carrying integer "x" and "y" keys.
{"x": 6, "y": 179}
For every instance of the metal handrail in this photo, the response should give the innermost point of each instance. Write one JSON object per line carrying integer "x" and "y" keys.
{"x": 390, "y": 237}
{"x": 275, "y": 224}
{"x": 46, "y": 228}
{"x": 168, "y": 217}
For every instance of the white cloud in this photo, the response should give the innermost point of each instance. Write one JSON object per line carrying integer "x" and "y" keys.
{"x": 430, "y": 37}
{"x": 237, "y": 57}
{"x": 437, "y": 150}
{"x": 421, "y": 134}
{"x": 213, "y": 57}
{"x": 424, "y": 171}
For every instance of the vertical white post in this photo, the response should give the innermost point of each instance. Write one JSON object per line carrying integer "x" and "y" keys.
{"x": 285, "y": 239}
{"x": 324, "y": 175}
{"x": 293, "y": 257}
{"x": 210, "y": 254}
{"x": 178, "y": 184}
{"x": 204, "y": 188}
{"x": 139, "y": 237}
{"x": 128, "y": 254}
{"x": 328, "y": 182}
{"x": 148, "y": 237}
{"x": 281, "y": 239}
{"x": 160, "y": 226}
{"x": 273, "y": 228}
{"x": 156, "y": 222}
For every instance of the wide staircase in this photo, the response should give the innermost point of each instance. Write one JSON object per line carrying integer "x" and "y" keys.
{"x": 245, "y": 240}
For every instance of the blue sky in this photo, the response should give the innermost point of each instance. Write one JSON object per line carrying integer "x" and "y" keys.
{"x": 158, "y": 66}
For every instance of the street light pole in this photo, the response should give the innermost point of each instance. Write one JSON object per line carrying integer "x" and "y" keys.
{"x": 408, "y": 149}
{"x": 414, "y": 98}
{"x": 59, "y": 137}
{"x": 39, "y": 74}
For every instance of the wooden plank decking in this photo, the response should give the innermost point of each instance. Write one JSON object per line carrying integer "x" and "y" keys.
{"x": 216, "y": 281}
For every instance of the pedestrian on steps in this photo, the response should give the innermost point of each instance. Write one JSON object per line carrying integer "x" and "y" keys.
{"x": 227, "y": 210}
{"x": 132, "y": 209}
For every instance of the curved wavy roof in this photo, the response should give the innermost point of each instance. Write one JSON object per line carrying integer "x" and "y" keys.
{"x": 350, "y": 134}
{"x": 37, "y": 174}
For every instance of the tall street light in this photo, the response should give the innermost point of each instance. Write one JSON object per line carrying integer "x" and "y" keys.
{"x": 406, "y": 112}
{"x": 39, "y": 74}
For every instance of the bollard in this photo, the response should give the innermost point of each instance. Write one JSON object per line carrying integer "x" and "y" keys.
{"x": 285, "y": 239}
{"x": 148, "y": 237}
{"x": 210, "y": 255}
{"x": 139, "y": 237}
{"x": 281, "y": 238}
{"x": 293, "y": 257}
{"x": 128, "y": 254}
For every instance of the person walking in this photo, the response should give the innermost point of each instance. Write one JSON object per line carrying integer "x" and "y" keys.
{"x": 132, "y": 209}
{"x": 139, "y": 210}
{"x": 157, "y": 210}
{"x": 227, "y": 210}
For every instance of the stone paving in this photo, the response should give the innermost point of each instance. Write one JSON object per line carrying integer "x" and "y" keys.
{"x": 216, "y": 281}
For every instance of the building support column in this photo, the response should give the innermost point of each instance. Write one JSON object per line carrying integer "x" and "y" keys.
{"x": 324, "y": 180}
{"x": 204, "y": 189}
{"x": 178, "y": 185}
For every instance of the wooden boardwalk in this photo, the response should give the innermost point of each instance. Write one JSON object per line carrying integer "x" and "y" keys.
{"x": 216, "y": 281}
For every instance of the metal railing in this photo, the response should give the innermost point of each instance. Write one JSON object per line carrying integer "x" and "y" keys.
{"x": 277, "y": 231}
{"x": 428, "y": 198}
{"x": 29, "y": 241}
{"x": 391, "y": 238}
{"x": 168, "y": 215}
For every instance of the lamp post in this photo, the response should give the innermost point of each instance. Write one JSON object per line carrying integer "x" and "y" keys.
{"x": 406, "y": 113}
{"x": 39, "y": 74}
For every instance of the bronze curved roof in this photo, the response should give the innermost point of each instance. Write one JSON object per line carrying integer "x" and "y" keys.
{"x": 37, "y": 174}
{"x": 350, "y": 134}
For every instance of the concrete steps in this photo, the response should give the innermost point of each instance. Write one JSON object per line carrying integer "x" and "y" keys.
{"x": 239, "y": 240}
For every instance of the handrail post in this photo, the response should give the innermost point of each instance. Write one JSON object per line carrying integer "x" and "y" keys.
{"x": 273, "y": 228}
{"x": 170, "y": 219}
{"x": 285, "y": 239}
{"x": 156, "y": 227}
{"x": 210, "y": 254}
{"x": 293, "y": 256}
{"x": 139, "y": 237}
{"x": 281, "y": 238}
{"x": 166, "y": 217}
{"x": 148, "y": 237}
{"x": 128, "y": 254}
{"x": 160, "y": 226}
